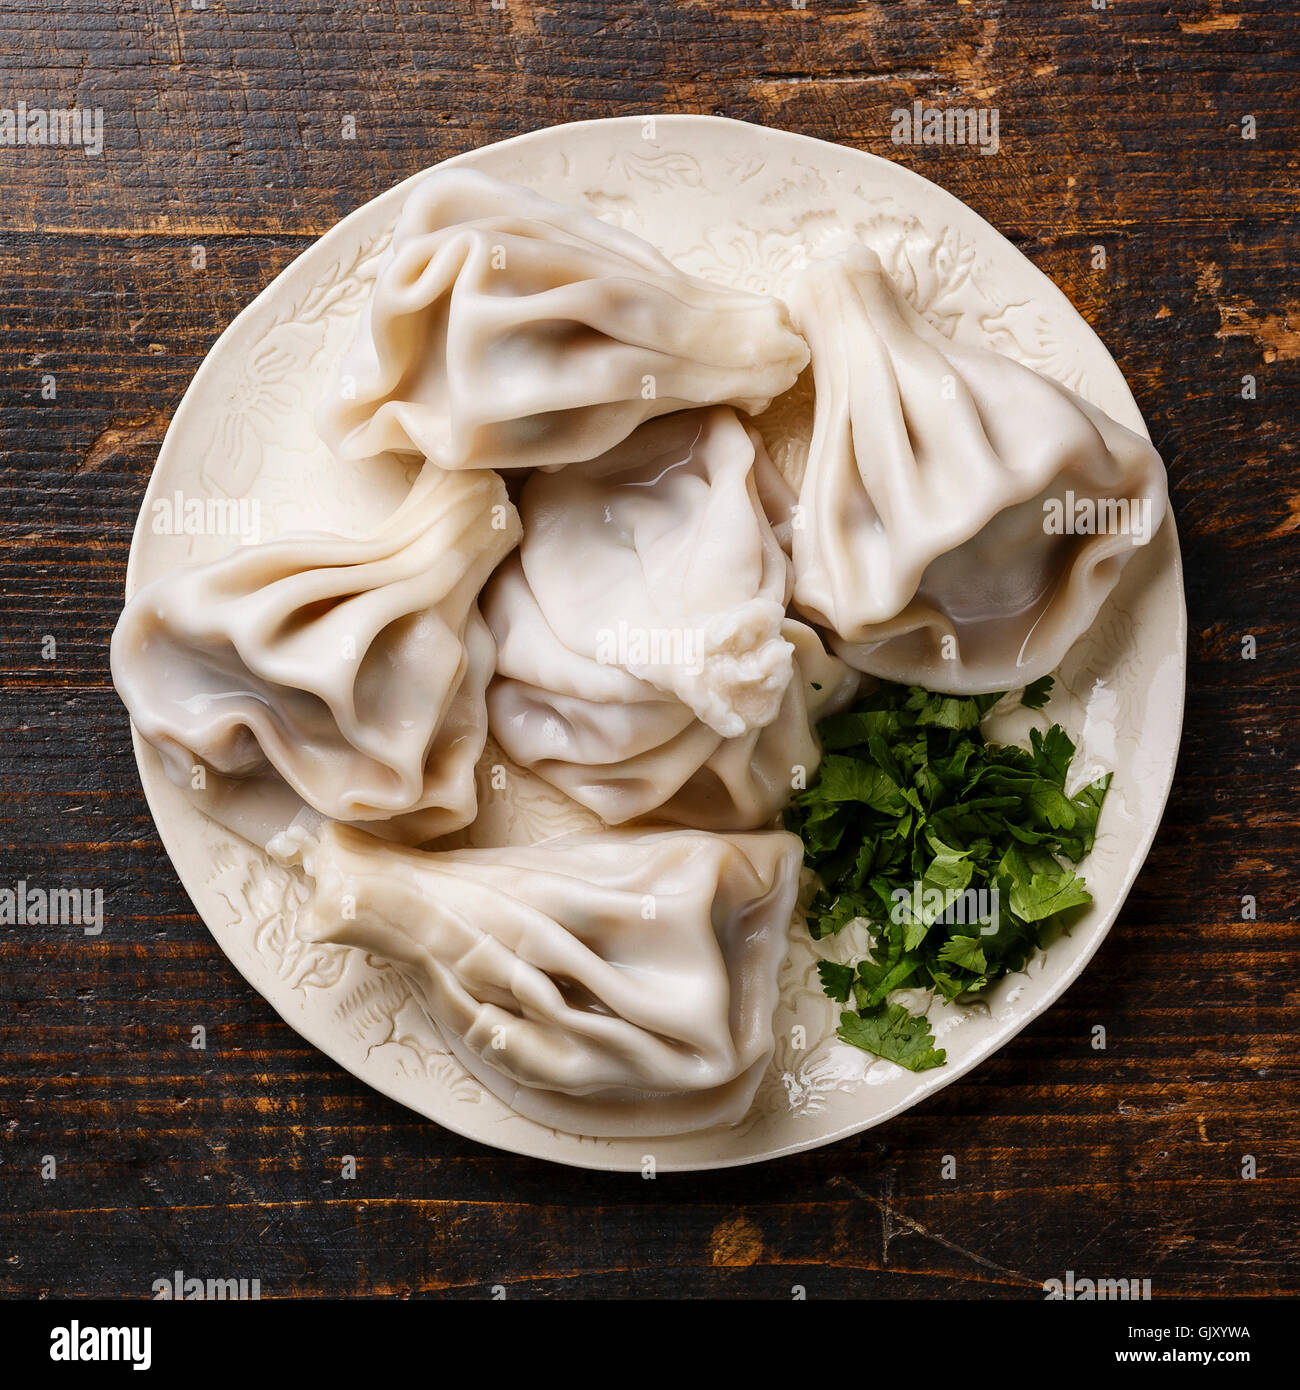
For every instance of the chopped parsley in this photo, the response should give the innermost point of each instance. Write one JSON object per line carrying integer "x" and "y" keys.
{"x": 957, "y": 853}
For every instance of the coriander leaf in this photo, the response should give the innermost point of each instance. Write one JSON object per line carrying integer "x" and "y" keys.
{"x": 891, "y": 1032}
{"x": 952, "y": 988}
{"x": 875, "y": 981}
{"x": 916, "y": 931}
{"x": 837, "y": 980}
{"x": 823, "y": 828}
{"x": 1087, "y": 804}
{"x": 885, "y": 760}
{"x": 855, "y": 727}
{"x": 1051, "y": 752}
{"x": 951, "y": 711}
{"x": 1037, "y": 693}
{"x": 833, "y": 914}
{"x": 842, "y": 778}
{"x": 965, "y": 951}
{"x": 1044, "y": 895}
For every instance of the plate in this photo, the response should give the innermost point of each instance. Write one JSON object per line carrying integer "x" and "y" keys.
{"x": 744, "y": 206}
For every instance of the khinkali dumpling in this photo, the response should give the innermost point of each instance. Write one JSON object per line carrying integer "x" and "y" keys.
{"x": 658, "y": 557}
{"x": 645, "y": 661}
{"x": 927, "y": 536}
{"x": 356, "y": 668}
{"x": 510, "y": 331}
{"x": 605, "y": 984}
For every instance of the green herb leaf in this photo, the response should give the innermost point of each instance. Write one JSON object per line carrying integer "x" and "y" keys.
{"x": 837, "y": 980}
{"x": 1037, "y": 693}
{"x": 891, "y": 1032}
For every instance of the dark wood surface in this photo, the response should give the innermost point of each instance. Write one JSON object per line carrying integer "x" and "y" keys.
{"x": 1119, "y": 127}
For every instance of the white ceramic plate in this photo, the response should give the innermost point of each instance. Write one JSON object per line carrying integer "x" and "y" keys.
{"x": 742, "y": 205}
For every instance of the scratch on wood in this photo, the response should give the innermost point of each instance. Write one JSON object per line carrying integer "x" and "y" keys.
{"x": 892, "y": 1220}
{"x": 1276, "y": 334}
{"x": 1211, "y": 24}
{"x": 737, "y": 1242}
{"x": 120, "y": 436}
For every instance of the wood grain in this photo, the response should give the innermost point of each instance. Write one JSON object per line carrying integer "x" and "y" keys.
{"x": 1120, "y": 128}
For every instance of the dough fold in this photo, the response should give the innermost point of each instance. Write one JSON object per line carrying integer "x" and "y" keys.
{"x": 645, "y": 663}
{"x": 963, "y": 518}
{"x": 356, "y": 668}
{"x": 611, "y": 984}
{"x": 510, "y": 331}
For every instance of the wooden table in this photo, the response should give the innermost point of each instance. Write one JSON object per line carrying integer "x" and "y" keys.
{"x": 1120, "y": 127}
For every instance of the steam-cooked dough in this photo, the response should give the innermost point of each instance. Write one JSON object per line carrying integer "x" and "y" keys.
{"x": 929, "y": 541}
{"x": 657, "y": 557}
{"x": 605, "y": 984}
{"x": 645, "y": 662}
{"x": 509, "y": 331}
{"x": 356, "y": 668}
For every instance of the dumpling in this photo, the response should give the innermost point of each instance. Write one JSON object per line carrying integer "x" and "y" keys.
{"x": 355, "y": 668}
{"x": 929, "y": 533}
{"x": 606, "y": 984}
{"x": 645, "y": 662}
{"x": 628, "y": 752}
{"x": 658, "y": 558}
{"x": 510, "y": 331}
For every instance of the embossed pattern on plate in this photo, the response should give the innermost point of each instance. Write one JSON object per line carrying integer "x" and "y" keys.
{"x": 742, "y": 205}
